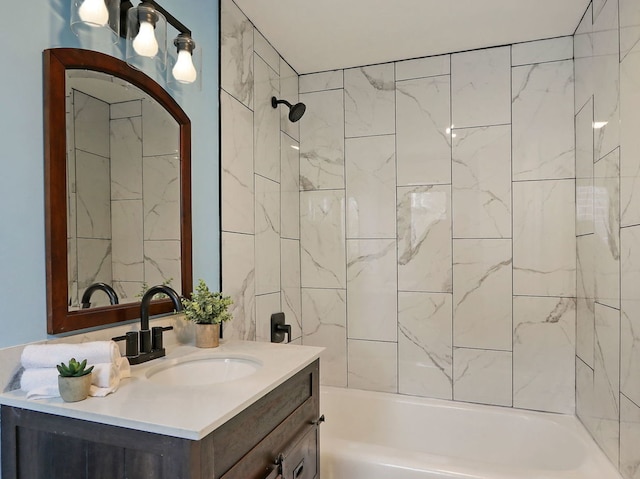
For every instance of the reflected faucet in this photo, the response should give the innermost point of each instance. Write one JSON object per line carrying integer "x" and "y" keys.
{"x": 86, "y": 297}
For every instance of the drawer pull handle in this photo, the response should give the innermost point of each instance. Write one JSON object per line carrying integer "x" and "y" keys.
{"x": 298, "y": 470}
{"x": 318, "y": 421}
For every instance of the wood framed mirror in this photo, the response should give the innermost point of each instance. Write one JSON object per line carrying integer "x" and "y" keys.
{"x": 88, "y": 241}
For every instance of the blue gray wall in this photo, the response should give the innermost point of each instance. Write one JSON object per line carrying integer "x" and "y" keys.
{"x": 26, "y": 29}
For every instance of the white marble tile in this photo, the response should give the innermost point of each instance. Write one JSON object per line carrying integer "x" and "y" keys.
{"x": 542, "y": 110}
{"x": 94, "y": 262}
{"x": 289, "y": 187}
{"x": 127, "y": 250}
{"x": 425, "y": 355}
{"x": 629, "y": 138}
{"x": 322, "y": 141}
{"x": 585, "y": 322}
{"x": 160, "y": 131}
{"x": 324, "y": 323}
{"x": 424, "y": 239}
{"x": 629, "y": 439}
{"x": 629, "y": 26}
{"x": 93, "y": 200}
{"x": 606, "y": 383}
{"x": 161, "y": 189}
{"x": 128, "y": 291}
{"x": 322, "y": 239}
{"x": 126, "y": 158}
{"x": 371, "y": 186}
{"x": 423, "y": 123}
{"x": 126, "y": 109}
{"x": 238, "y": 281}
{"x": 267, "y": 236}
{"x": 598, "y": 5}
{"x": 584, "y": 395}
{"x": 423, "y": 67}
{"x": 482, "y": 294}
{"x": 583, "y": 60}
{"x": 162, "y": 263}
{"x": 266, "y": 305}
{"x": 544, "y": 256}
{"x": 482, "y": 376}
{"x": 373, "y": 366}
{"x": 481, "y": 87}
{"x": 607, "y": 229}
{"x": 544, "y": 354}
{"x": 91, "y": 122}
{"x": 290, "y": 285}
{"x": 372, "y": 311}
{"x": 263, "y": 48}
{"x": 630, "y": 313}
{"x": 288, "y": 91}
{"x": 584, "y": 169}
{"x": 369, "y": 100}
{"x": 330, "y": 80}
{"x": 541, "y": 51}
{"x": 266, "y": 122}
{"x": 606, "y": 80}
{"x": 482, "y": 182}
{"x": 236, "y": 53}
{"x": 237, "y": 182}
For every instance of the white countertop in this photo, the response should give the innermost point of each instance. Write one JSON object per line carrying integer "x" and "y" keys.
{"x": 189, "y": 412}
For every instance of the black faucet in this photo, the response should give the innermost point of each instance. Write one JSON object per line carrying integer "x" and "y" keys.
{"x": 150, "y": 344}
{"x": 86, "y": 297}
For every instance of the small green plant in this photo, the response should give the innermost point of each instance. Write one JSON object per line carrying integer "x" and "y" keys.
{"x": 145, "y": 287}
{"x": 207, "y": 307}
{"x": 74, "y": 369}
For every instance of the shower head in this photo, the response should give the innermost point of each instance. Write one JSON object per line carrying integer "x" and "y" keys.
{"x": 295, "y": 111}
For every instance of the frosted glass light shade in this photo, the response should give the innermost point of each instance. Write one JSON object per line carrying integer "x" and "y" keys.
{"x": 146, "y": 39}
{"x": 96, "y": 17}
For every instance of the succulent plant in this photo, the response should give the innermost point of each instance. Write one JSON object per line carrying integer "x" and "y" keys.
{"x": 74, "y": 369}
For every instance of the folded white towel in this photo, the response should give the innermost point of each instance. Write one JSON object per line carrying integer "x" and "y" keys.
{"x": 40, "y": 383}
{"x": 50, "y": 355}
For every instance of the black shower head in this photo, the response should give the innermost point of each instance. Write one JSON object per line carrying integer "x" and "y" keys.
{"x": 295, "y": 111}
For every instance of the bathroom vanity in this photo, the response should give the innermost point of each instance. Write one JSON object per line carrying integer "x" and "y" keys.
{"x": 264, "y": 425}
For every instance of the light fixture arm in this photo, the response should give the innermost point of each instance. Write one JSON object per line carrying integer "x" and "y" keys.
{"x": 125, "y": 5}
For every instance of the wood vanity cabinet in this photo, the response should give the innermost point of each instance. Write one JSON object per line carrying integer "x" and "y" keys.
{"x": 276, "y": 437}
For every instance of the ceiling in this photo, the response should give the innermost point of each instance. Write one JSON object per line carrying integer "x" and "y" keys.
{"x": 319, "y": 35}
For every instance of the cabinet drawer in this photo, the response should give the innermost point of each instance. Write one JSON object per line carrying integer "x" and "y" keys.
{"x": 301, "y": 461}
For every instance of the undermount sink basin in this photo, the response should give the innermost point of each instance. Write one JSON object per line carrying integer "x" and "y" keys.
{"x": 202, "y": 371}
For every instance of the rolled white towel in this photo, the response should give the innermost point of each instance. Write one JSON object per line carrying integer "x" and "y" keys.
{"x": 50, "y": 355}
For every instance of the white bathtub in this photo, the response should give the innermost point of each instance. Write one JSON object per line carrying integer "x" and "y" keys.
{"x": 370, "y": 435}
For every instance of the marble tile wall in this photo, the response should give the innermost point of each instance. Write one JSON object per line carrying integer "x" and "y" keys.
{"x": 437, "y": 236}
{"x": 260, "y": 182}
{"x": 607, "y": 102}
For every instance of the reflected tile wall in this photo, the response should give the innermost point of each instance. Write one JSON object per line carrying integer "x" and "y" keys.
{"x": 424, "y": 345}
{"x": 423, "y": 123}
{"x": 482, "y": 182}
{"x": 585, "y": 326}
{"x": 126, "y": 158}
{"x": 482, "y": 294}
{"x": 424, "y": 239}
{"x": 372, "y": 290}
{"x": 161, "y": 202}
{"x": 238, "y": 277}
{"x": 629, "y": 438}
{"x": 630, "y": 140}
{"x": 236, "y": 53}
{"x": 324, "y": 323}
{"x": 93, "y": 196}
{"x": 584, "y": 169}
{"x": 369, "y": 103}
{"x": 629, "y": 27}
{"x": 544, "y": 354}
{"x": 630, "y": 313}
{"x": 91, "y": 123}
{"x": 542, "y": 107}
{"x": 371, "y": 187}
{"x": 583, "y": 60}
{"x": 162, "y": 263}
{"x": 128, "y": 245}
{"x": 322, "y": 141}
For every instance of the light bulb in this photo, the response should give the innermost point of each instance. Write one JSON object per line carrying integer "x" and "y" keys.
{"x": 145, "y": 43}
{"x": 184, "y": 71}
{"x": 94, "y": 12}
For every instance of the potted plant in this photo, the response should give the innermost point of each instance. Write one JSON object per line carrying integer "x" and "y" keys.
{"x": 74, "y": 380}
{"x": 207, "y": 309}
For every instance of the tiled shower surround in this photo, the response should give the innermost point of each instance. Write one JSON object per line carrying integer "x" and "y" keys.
{"x": 453, "y": 241}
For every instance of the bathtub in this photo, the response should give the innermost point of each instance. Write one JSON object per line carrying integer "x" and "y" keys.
{"x": 370, "y": 435}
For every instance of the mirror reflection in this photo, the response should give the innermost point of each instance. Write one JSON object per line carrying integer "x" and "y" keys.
{"x": 123, "y": 192}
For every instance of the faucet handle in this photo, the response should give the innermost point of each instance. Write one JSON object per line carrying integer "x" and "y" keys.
{"x": 131, "y": 344}
{"x": 156, "y": 336}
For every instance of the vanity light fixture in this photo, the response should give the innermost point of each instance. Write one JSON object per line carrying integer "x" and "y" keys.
{"x": 145, "y": 29}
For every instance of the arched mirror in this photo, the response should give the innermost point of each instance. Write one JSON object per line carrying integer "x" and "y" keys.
{"x": 117, "y": 192}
